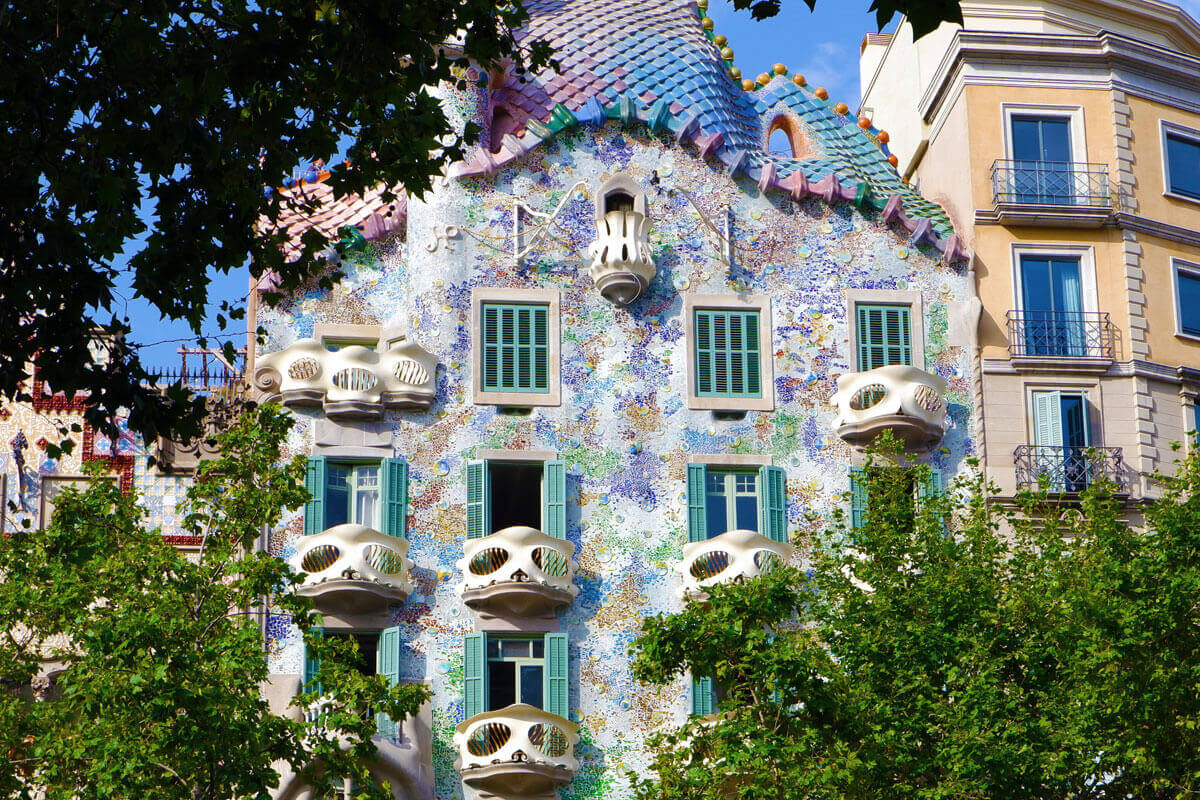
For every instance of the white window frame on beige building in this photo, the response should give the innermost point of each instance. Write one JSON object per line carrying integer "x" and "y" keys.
{"x": 533, "y": 297}
{"x": 766, "y": 333}
{"x": 1073, "y": 113}
{"x": 1193, "y": 269}
{"x": 886, "y": 297}
{"x": 1165, "y": 127}
{"x": 1087, "y": 270}
{"x": 1091, "y": 395}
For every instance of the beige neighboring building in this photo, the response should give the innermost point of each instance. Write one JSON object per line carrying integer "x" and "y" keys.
{"x": 1063, "y": 138}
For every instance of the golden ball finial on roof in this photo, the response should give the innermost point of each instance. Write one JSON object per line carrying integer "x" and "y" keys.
{"x": 864, "y": 123}
{"x": 763, "y": 78}
{"x": 727, "y": 53}
{"x": 707, "y": 23}
{"x": 735, "y": 73}
{"x": 702, "y": 4}
{"x": 841, "y": 108}
{"x": 720, "y": 41}
{"x": 780, "y": 69}
{"x": 884, "y": 138}
{"x": 748, "y": 85}
{"x": 798, "y": 79}
{"x": 821, "y": 93}
{"x": 893, "y": 160}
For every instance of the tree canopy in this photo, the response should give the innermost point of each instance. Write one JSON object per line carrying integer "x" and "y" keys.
{"x": 158, "y": 658}
{"x": 946, "y": 648}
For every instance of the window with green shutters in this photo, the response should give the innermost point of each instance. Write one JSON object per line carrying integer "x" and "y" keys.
{"x": 379, "y": 654}
{"x": 728, "y": 353}
{"x": 501, "y": 494}
{"x": 502, "y": 669}
{"x": 725, "y": 499}
{"x": 369, "y": 493}
{"x": 884, "y": 336}
{"x": 859, "y": 502}
{"x": 516, "y": 347}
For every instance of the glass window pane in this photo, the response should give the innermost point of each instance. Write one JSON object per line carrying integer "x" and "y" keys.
{"x": 539, "y": 648}
{"x": 1074, "y": 417}
{"x": 531, "y": 685}
{"x": 1189, "y": 303}
{"x": 716, "y": 515}
{"x": 502, "y": 684}
{"x": 1183, "y": 165}
{"x": 366, "y": 496}
{"x": 337, "y": 495}
{"x": 747, "y": 512}
{"x": 493, "y": 648}
{"x": 514, "y": 648}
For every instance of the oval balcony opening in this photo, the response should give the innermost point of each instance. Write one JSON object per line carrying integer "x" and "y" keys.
{"x": 517, "y": 751}
{"x": 518, "y": 572}
{"x": 352, "y": 569}
{"x": 907, "y": 401}
{"x": 732, "y": 557}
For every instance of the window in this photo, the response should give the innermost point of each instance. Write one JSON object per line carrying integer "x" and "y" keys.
{"x": 502, "y": 670}
{"x": 1061, "y": 438}
{"x": 729, "y": 352}
{"x": 378, "y": 654}
{"x": 704, "y": 697}
{"x": 884, "y": 335}
{"x": 369, "y": 493}
{"x": 1052, "y": 306}
{"x": 910, "y": 492}
{"x": 1181, "y": 161}
{"x": 722, "y": 500}
{"x": 516, "y": 347}
{"x": 1041, "y": 152}
{"x": 503, "y": 494}
{"x": 1187, "y": 298}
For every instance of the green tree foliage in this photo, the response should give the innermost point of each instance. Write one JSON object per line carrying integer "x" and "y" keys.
{"x": 162, "y": 655}
{"x": 947, "y": 648}
{"x": 151, "y": 129}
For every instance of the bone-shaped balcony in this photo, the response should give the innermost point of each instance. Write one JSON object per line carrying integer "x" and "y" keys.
{"x": 909, "y": 402}
{"x": 622, "y": 266}
{"x": 518, "y": 751}
{"x": 732, "y": 557}
{"x": 354, "y": 381}
{"x": 518, "y": 572}
{"x": 351, "y": 569}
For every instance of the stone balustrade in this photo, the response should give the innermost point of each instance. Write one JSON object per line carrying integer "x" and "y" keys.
{"x": 518, "y": 572}
{"x": 351, "y": 569}
{"x": 350, "y": 382}
{"x": 909, "y": 402}
{"x": 622, "y": 266}
{"x": 518, "y": 751}
{"x": 733, "y": 556}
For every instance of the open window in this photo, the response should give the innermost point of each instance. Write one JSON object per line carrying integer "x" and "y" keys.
{"x": 378, "y": 654}
{"x": 371, "y": 493}
{"x": 502, "y": 670}
{"x": 726, "y": 499}
{"x": 504, "y": 494}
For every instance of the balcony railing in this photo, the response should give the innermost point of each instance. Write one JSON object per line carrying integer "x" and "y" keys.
{"x": 351, "y": 569}
{"x": 1050, "y": 183}
{"x": 731, "y": 557}
{"x": 1061, "y": 334}
{"x": 1068, "y": 470}
{"x": 909, "y": 402}
{"x": 518, "y": 572}
{"x": 518, "y": 751}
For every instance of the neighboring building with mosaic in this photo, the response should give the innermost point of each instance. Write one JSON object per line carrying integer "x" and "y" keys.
{"x": 1063, "y": 138}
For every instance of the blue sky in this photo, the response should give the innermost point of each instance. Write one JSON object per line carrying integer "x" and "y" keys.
{"x": 822, "y": 45}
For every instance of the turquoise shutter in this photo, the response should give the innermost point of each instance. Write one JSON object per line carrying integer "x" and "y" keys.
{"x": 393, "y": 484}
{"x": 312, "y": 666}
{"x": 479, "y": 522}
{"x": 516, "y": 347}
{"x": 554, "y": 692}
{"x": 474, "y": 674}
{"x": 702, "y": 697}
{"x": 387, "y": 664}
{"x": 554, "y": 499}
{"x": 772, "y": 503}
{"x": 541, "y": 348}
{"x": 728, "y": 353}
{"x": 932, "y": 485}
{"x": 704, "y": 353}
{"x": 697, "y": 476}
{"x": 490, "y": 360}
{"x": 858, "y": 497}
{"x": 884, "y": 336}
{"x": 315, "y": 479}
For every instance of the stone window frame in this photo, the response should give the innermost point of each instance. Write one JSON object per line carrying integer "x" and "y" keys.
{"x": 766, "y": 333}
{"x": 1086, "y": 253}
{"x": 1072, "y": 113}
{"x": 1166, "y": 127}
{"x": 887, "y": 297}
{"x": 547, "y": 297}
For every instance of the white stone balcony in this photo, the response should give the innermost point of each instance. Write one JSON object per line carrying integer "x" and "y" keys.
{"x": 519, "y": 751}
{"x": 909, "y": 402}
{"x": 622, "y": 266}
{"x": 351, "y": 382}
{"x": 518, "y": 572}
{"x": 732, "y": 557}
{"x": 351, "y": 569}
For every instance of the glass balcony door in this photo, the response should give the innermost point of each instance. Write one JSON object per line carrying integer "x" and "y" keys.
{"x": 1041, "y": 151}
{"x": 1052, "y": 304}
{"x": 1061, "y": 439}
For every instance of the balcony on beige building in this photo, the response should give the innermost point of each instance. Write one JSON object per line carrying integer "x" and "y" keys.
{"x": 517, "y": 752}
{"x": 352, "y": 570}
{"x": 732, "y": 557}
{"x": 1069, "y": 470}
{"x": 518, "y": 572}
{"x": 1061, "y": 340}
{"x": 1051, "y": 193}
{"x": 907, "y": 401}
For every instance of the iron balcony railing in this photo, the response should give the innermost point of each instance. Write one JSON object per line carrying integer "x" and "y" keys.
{"x": 1050, "y": 183}
{"x": 1062, "y": 334}
{"x": 1068, "y": 470}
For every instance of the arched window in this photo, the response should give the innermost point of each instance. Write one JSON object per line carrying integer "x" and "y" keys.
{"x": 786, "y": 138}
{"x": 779, "y": 144}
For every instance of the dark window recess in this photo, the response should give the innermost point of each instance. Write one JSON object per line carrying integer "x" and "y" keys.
{"x": 368, "y": 645}
{"x": 502, "y": 684}
{"x": 618, "y": 201}
{"x": 516, "y": 495}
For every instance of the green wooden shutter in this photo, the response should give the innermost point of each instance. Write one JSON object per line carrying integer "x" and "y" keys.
{"x": 474, "y": 674}
{"x": 697, "y": 477}
{"x": 884, "y": 336}
{"x": 772, "y": 503}
{"x": 728, "y": 353}
{"x": 702, "y": 697}
{"x": 312, "y": 666}
{"x": 315, "y": 479}
{"x": 858, "y": 497}
{"x": 554, "y": 499}
{"x": 516, "y": 347}
{"x": 393, "y": 485}
{"x": 479, "y": 522}
{"x": 540, "y": 349}
{"x": 387, "y": 664}
{"x": 555, "y": 693}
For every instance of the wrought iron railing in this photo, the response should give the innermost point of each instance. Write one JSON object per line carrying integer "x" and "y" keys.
{"x": 1063, "y": 334}
{"x": 1050, "y": 183}
{"x": 205, "y": 370}
{"x": 1068, "y": 470}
